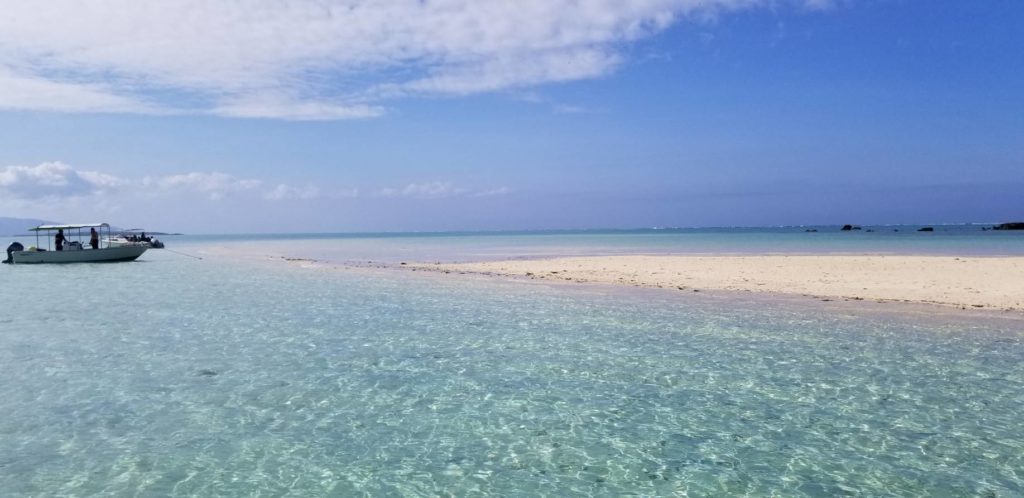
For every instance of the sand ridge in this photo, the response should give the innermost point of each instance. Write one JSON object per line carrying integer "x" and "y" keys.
{"x": 966, "y": 282}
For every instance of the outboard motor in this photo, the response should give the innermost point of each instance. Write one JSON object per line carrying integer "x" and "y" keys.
{"x": 10, "y": 249}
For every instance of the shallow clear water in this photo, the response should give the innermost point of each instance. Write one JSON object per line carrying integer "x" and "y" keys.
{"x": 174, "y": 376}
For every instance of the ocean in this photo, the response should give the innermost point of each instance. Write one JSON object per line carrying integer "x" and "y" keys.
{"x": 954, "y": 240}
{"x": 175, "y": 376}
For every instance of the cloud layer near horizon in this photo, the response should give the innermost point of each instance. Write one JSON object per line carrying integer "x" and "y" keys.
{"x": 312, "y": 59}
{"x": 57, "y": 180}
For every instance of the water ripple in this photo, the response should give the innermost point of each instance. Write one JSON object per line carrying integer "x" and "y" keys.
{"x": 222, "y": 380}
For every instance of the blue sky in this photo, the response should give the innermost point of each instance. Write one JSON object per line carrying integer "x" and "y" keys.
{"x": 452, "y": 115}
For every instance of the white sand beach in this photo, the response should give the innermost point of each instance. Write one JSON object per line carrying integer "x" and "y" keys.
{"x": 965, "y": 282}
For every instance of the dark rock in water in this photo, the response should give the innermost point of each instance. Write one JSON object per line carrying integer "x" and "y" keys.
{"x": 207, "y": 372}
{"x": 926, "y": 229}
{"x": 869, "y": 230}
{"x": 1015, "y": 225}
{"x": 847, "y": 228}
{"x": 809, "y": 230}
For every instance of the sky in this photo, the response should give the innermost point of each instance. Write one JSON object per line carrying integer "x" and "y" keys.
{"x": 244, "y": 116}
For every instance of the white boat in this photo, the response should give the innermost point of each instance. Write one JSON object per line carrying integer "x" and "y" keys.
{"x": 134, "y": 236}
{"x": 73, "y": 251}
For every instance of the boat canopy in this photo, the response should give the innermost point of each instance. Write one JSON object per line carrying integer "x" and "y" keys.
{"x": 72, "y": 226}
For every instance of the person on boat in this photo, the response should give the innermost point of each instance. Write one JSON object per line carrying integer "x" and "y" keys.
{"x": 94, "y": 238}
{"x": 58, "y": 240}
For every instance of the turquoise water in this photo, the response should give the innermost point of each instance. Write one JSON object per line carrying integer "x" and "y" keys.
{"x": 180, "y": 377}
{"x": 956, "y": 240}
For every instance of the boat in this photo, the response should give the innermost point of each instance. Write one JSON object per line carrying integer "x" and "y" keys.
{"x": 134, "y": 236}
{"x": 73, "y": 250}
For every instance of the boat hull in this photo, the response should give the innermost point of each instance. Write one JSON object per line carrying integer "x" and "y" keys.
{"x": 105, "y": 255}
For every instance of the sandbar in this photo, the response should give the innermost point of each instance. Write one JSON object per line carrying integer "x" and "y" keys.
{"x": 995, "y": 283}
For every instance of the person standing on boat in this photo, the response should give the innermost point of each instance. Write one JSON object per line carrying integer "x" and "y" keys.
{"x": 58, "y": 240}
{"x": 94, "y": 238}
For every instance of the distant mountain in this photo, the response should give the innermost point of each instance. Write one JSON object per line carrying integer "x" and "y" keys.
{"x": 18, "y": 226}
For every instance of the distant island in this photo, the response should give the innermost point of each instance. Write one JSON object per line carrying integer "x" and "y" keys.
{"x": 1018, "y": 225}
{"x": 19, "y": 226}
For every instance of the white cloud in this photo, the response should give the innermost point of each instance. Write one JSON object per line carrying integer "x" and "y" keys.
{"x": 216, "y": 185}
{"x": 286, "y": 192}
{"x": 102, "y": 180}
{"x": 312, "y": 59}
{"x": 512, "y": 71}
{"x": 21, "y": 92}
{"x": 437, "y": 190}
{"x": 493, "y": 192}
{"x": 53, "y": 179}
{"x": 349, "y": 193}
{"x": 278, "y": 107}
{"x": 428, "y": 190}
{"x": 58, "y": 180}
